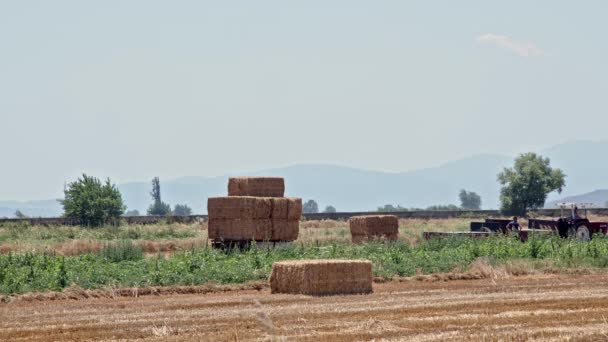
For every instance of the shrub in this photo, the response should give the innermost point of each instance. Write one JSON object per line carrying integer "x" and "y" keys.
{"x": 92, "y": 203}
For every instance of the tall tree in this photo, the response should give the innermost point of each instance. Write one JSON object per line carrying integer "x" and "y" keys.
{"x": 469, "y": 200}
{"x": 182, "y": 210}
{"x": 158, "y": 207}
{"x": 91, "y": 202}
{"x": 527, "y": 184}
{"x": 19, "y": 214}
{"x": 329, "y": 209}
{"x": 133, "y": 212}
{"x": 390, "y": 208}
{"x": 310, "y": 207}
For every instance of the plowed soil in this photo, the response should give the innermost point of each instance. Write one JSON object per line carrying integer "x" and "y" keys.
{"x": 540, "y": 307}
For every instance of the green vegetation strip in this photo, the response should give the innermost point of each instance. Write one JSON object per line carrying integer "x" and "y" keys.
{"x": 124, "y": 265}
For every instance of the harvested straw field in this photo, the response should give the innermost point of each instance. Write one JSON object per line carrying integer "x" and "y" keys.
{"x": 541, "y": 307}
{"x": 321, "y": 277}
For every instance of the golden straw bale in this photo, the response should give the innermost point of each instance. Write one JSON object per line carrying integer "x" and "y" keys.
{"x": 287, "y": 208}
{"x": 239, "y": 207}
{"x": 279, "y": 208}
{"x": 254, "y": 218}
{"x": 294, "y": 208}
{"x": 256, "y": 186}
{"x": 374, "y": 226}
{"x": 285, "y": 230}
{"x": 321, "y": 277}
{"x": 240, "y": 229}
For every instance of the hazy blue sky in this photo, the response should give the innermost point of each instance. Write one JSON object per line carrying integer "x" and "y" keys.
{"x": 135, "y": 89}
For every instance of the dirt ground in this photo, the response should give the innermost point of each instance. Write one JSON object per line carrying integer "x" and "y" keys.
{"x": 540, "y": 307}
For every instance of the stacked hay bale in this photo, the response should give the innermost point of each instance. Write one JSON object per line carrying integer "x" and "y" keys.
{"x": 255, "y": 209}
{"x": 256, "y": 186}
{"x": 374, "y": 227}
{"x": 321, "y": 277}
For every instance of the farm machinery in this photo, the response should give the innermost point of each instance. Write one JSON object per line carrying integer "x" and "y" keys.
{"x": 573, "y": 223}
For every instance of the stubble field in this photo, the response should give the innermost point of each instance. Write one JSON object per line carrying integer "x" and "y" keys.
{"x": 164, "y": 284}
{"x": 541, "y": 307}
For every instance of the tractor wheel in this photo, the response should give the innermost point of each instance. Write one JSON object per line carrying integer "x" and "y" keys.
{"x": 572, "y": 232}
{"x": 583, "y": 233}
{"x": 562, "y": 228}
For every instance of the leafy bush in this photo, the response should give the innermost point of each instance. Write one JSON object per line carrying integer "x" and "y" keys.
{"x": 121, "y": 251}
{"x": 92, "y": 203}
{"x": 182, "y": 210}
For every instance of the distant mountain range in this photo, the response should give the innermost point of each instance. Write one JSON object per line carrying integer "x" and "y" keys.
{"x": 351, "y": 189}
{"x": 599, "y": 198}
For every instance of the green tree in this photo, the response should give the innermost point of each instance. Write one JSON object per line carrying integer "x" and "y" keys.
{"x": 91, "y": 202}
{"x": 310, "y": 207}
{"x": 182, "y": 210}
{"x": 469, "y": 200}
{"x": 19, "y": 214}
{"x": 133, "y": 212}
{"x": 158, "y": 207}
{"x": 329, "y": 209}
{"x": 527, "y": 184}
{"x": 387, "y": 208}
{"x": 442, "y": 207}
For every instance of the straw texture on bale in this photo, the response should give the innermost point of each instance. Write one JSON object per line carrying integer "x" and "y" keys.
{"x": 321, "y": 277}
{"x": 254, "y": 218}
{"x": 256, "y": 186}
{"x": 240, "y": 229}
{"x": 239, "y": 207}
{"x": 253, "y": 229}
{"x": 285, "y": 230}
{"x": 374, "y": 227}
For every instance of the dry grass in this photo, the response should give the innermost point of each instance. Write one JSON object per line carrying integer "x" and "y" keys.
{"x": 501, "y": 308}
{"x": 410, "y": 231}
{"x": 78, "y": 247}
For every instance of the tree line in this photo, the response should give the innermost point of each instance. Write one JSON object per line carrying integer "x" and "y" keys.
{"x": 92, "y": 202}
{"x": 524, "y": 186}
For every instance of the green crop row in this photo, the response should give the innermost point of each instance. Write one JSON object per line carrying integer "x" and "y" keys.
{"x": 124, "y": 265}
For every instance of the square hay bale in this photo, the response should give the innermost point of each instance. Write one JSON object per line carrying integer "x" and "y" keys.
{"x": 374, "y": 226}
{"x": 280, "y": 208}
{"x": 254, "y": 218}
{"x": 321, "y": 277}
{"x": 294, "y": 209}
{"x": 240, "y": 229}
{"x": 239, "y": 207}
{"x": 256, "y": 186}
{"x": 287, "y": 208}
{"x": 285, "y": 230}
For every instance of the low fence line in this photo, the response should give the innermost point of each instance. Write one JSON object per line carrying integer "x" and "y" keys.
{"x": 423, "y": 214}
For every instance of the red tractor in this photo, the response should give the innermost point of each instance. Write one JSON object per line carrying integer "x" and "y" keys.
{"x": 574, "y": 225}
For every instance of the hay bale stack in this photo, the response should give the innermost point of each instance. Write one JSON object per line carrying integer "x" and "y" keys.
{"x": 254, "y": 218}
{"x": 256, "y": 186}
{"x": 374, "y": 227}
{"x": 321, "y": 277}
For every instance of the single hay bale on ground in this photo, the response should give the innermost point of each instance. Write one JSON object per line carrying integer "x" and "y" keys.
{"x": 256, "y": 186}
{"x": 321, "y": 277}
{"x": 374, "y": 226}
